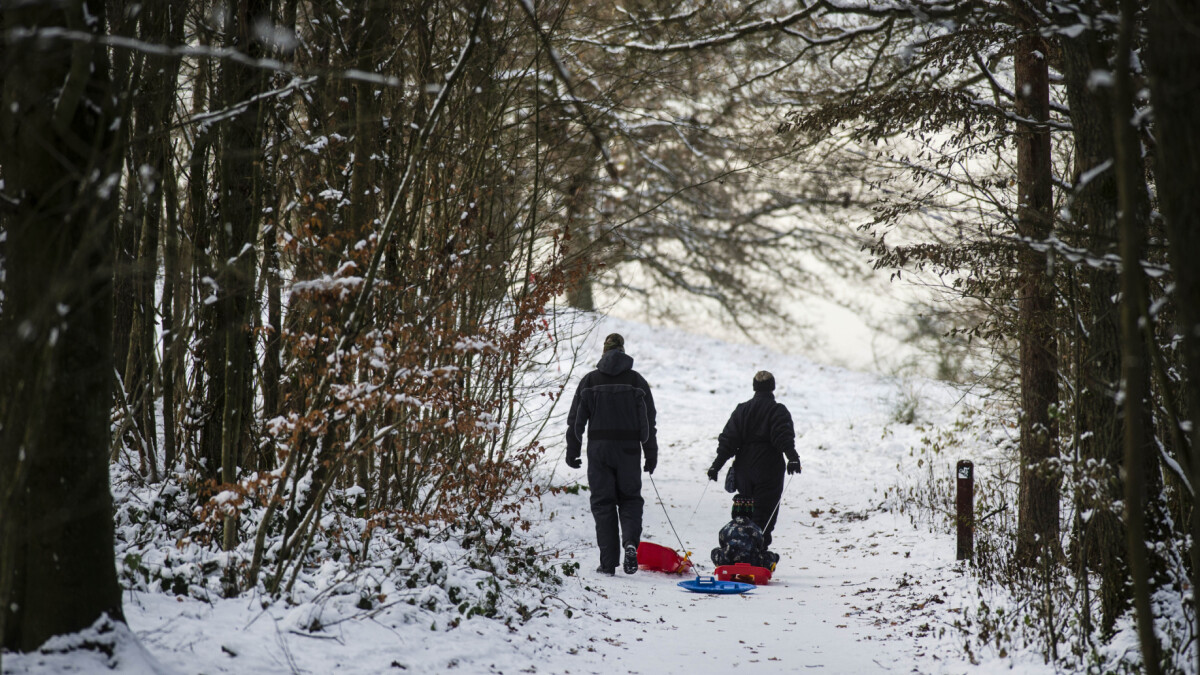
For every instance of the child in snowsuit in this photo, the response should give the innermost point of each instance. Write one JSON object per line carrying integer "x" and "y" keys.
{"x": 741, "y": 540}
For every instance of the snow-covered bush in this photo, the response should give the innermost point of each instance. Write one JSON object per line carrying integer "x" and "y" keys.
{"x": 436, "y": 575}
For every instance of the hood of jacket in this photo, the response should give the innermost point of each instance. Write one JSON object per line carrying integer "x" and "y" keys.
{"x": 614, "y": 362}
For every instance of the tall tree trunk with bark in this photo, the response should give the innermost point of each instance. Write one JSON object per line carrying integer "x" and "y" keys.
{"x": 127, "y": 231}
{"x": 1038, "y": 526}
{"x": 237, "y": 237}
{"x": 1140, "y": 448}
{"x": 59, "y": 149}
{"x": 274, "y": 193}
{"x": 173, "y": 287}
{"x": 1094, "y": 210}
{"x": 173, "y": 299}
{"x": 272, "y": 367}
{"x": 581, "y": 293}
{"x": 362, "y": 214}
{"x": 207, "y": 397}
{"x": 1174, "y": 51}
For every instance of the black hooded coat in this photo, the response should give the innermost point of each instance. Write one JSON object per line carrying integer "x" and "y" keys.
{"x": 614, "y": 407}
{"x": 758, "y": 435}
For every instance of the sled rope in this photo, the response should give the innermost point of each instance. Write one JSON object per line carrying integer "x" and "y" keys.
{"x": 664, "y": 508}
{"x": 781, "y": 494}
{"x": 686, "y": 553}
{"x": 697, "y": 509}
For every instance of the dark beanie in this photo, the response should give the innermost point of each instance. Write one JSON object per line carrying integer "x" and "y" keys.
{"x": 614, "y": 341}
{"x": 743, "y": 506}
{"x": 764, "y": 381}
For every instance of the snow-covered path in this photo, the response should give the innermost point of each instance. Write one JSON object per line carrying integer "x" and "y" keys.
{"x": 838, "y": 554}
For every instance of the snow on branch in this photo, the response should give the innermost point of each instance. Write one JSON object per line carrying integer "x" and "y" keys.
{"x": 731, "y": 34}
{"x": 18, "y": 35}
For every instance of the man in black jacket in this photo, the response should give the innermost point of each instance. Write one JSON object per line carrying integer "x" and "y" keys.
{"x": 613, "y": 403}
{"x": 758, "y": 435}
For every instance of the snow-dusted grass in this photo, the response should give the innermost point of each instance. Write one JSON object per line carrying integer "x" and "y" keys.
{"x": 863, "y": 586}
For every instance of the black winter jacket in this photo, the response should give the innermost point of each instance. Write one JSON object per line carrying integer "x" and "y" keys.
{"x": 758, "y": 435}
{"x": 613, "y": 403}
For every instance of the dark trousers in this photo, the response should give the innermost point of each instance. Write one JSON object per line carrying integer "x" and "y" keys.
{"x": 766, "y": 487}
{"x": 615, "y": 481}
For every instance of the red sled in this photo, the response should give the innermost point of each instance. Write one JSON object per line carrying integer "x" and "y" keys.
{"x": 751, "y": 574}
{"x": 662, "y": 559}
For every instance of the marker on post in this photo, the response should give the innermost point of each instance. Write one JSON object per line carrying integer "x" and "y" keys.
{"x": 966, "y": 509}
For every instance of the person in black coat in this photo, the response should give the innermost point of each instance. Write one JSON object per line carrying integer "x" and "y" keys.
{"x": 613, "y": 404}
{"x": 741, "y": 540}
{"x": 758, "y": 435}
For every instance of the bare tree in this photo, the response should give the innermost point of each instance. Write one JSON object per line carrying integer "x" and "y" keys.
{"x": 695, "y": 193}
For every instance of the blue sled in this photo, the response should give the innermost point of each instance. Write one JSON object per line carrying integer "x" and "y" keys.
{"x": 712, "y": 585}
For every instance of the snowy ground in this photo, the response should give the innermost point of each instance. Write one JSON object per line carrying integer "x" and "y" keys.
{"x": 858, "y": 588}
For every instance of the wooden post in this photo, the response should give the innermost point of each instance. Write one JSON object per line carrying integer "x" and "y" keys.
{"x": 966, "y": 509}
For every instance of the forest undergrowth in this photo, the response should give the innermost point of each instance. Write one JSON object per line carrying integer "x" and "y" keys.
{"x": 1051, "y": 611}
{"x": 356, "y": 567}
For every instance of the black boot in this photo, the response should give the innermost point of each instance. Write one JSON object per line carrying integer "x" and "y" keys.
{"x": 631, "y": 565}
{"x": 606, "y": 571}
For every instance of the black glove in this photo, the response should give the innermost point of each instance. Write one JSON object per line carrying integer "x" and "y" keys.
{"x": 793, "y": 466}
{"x": 650, "y": 464}
{"x": 574, "y": 461}
{"x": 712, "y": 472}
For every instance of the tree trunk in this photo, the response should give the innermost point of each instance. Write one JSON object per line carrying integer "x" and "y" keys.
{"x": 173, "y": 294}
{"x": 1175, "y": 93}
{"x": 272, "y": 368}
{"x": 172, "y": 297}
{"x": 207, "y": 397}
{"x": 1101, "y": 543}
{"x": 58, "y": 140}
{"x": 140, "y": 365}
{"x": 362, "y": 213}
{"x": 1038, "y": 527}
{"x": 209, "y": 394}
{"x": 579, "y": 294}
{"x": 126, "y": 63}
{"x": 240, "y": 212}
{"x": 1140, "y": 449}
